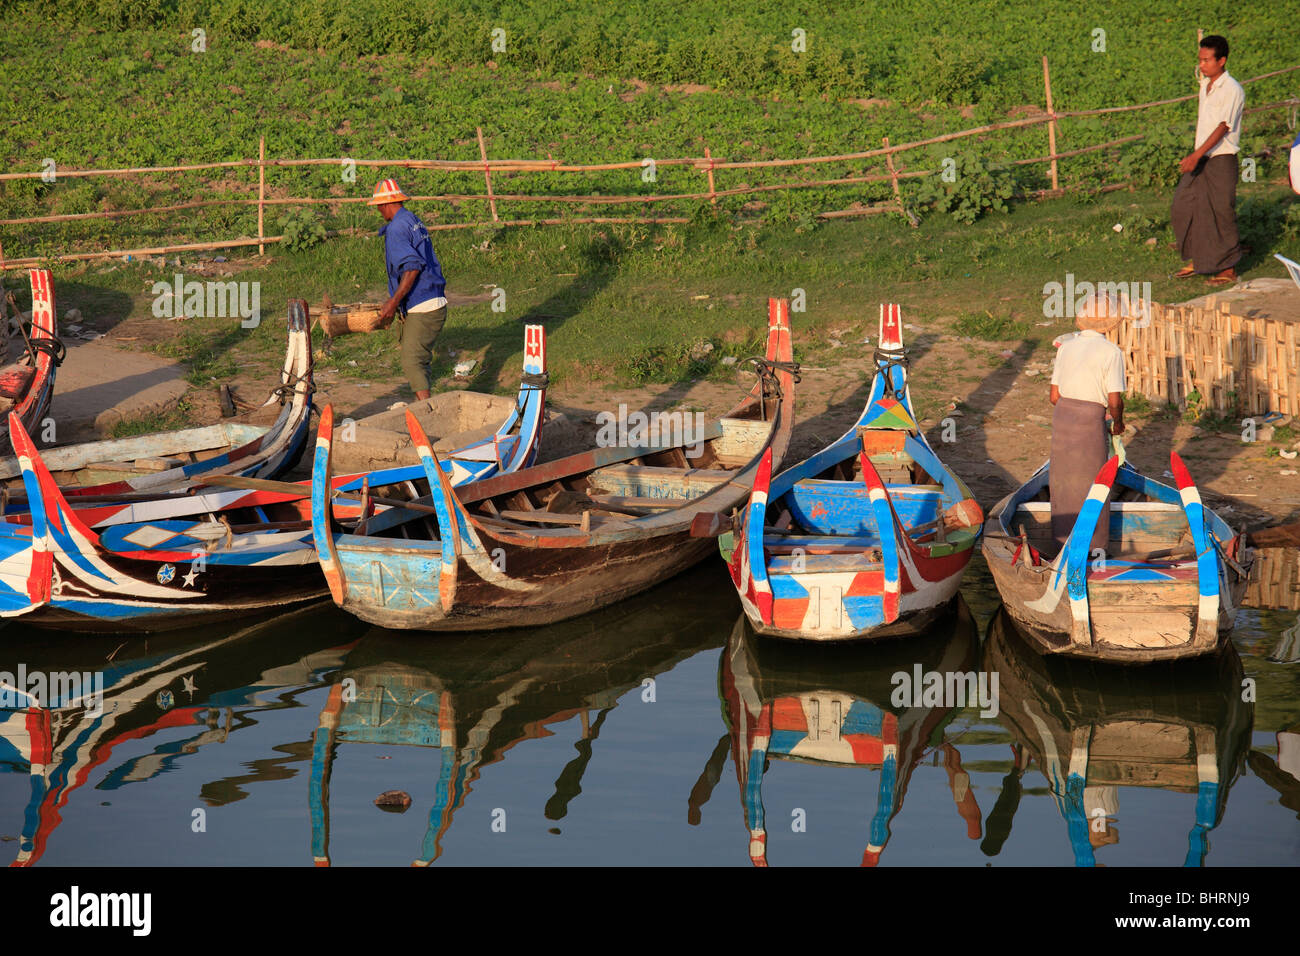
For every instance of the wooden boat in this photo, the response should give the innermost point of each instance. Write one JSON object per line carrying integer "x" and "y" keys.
{"x": 514, "y": 444}
{"x": 58, "y": 572}
{"x": 166, "y": 563}
{"x": 1169, "y": 585}
{"x": 181, "y": 459}
{"x": 835, "y": 706}
{"x": 867, "y": 538}
{"x": 472, "y": 700}
{"x": 561, "y": 538}
{"x": 190, "y": 690}
{"x": 27, "y": 385}
{"x": 1178, "y": 726}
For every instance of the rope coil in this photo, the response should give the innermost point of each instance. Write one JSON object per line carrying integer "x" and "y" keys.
{"x": 885, "y": 361}
{"x": 766, "y": 370}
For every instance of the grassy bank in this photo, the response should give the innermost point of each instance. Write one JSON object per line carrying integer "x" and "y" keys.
{"x": 119, "y": 84}
{"x": 628, "y": 305}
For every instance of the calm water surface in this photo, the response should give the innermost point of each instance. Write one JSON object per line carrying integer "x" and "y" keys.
{"x": 657, "y": 732}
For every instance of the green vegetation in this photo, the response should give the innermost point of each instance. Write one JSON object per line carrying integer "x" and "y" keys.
{"x": 412, "y": 79}
{"x": 986, "y": 325}
{"x": 627, "y": 303}
{"x": 169, "y": 420}
{"x": 623, "y": 303}
{"x": 976, "y": 188}
{"x": 302, "y": 229}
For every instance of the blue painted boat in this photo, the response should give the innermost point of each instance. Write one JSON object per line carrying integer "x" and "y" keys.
{"x": 165, "y": 563}
{"x": 171, "y": 461}
{"x": 1167, "y": 586}
{"x": 563, "y": 537}
{"x": 867, "y": 538}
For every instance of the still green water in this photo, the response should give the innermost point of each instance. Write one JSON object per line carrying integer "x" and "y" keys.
{"x": 659, "y": 731}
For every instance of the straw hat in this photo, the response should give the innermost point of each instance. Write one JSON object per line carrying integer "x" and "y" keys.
{"x": 386, "y": 192}
{"x": 1103, "y": 313}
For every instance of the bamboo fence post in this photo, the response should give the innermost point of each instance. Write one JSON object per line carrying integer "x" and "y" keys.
{"x": 261, "y": 194}
{"x": 1292, "y": 395}
{"x": 1051, "y": 126}
{"x": 487, "y": 174}
{"x": 713, "y": 195}
{"x": 893, "y": 174}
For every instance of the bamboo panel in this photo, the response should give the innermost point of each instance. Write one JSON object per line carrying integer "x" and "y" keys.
{"x": 1236, "y": 364}
{"x": 1275, "y": 580}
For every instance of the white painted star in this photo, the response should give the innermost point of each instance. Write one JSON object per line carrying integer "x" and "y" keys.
{"x": 188, "y": 685}
{"x": 189, "y": 578}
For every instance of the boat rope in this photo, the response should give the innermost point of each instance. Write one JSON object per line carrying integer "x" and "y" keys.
{"x": 886, "y": 360}
{"x": 288, "y": 388}
{"x": 51, "y": 345}
{"x": 536, "y": 382}
{"x": 1218, "y": 546}
{"x": 766, "y": 370}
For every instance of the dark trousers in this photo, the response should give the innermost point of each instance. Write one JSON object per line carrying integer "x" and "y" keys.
{"x": 1204, "y": 215}
{"x": 417, "y": 335}
{"x": 1079, "y": 449}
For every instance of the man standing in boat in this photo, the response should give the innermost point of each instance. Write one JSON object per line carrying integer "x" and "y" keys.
{"x": 1204, "y": 214}
{"x": 416, "y": 288}
{"x": 1087, "y": 383}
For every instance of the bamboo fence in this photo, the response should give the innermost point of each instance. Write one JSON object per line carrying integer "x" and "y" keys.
{"x": 708, "y": 164}
{"x": 1237, "y": 365}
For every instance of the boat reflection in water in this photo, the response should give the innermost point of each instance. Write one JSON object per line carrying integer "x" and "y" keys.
{"x": 214, "y": 681}
{"x": 1093, "y": 728}
{"x": 472, "y": 697}
{"x": 832, "y": 705}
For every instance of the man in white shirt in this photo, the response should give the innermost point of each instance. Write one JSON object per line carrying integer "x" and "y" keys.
{"x": 1087, "y": 382}
{"x": 1204, "y": 214}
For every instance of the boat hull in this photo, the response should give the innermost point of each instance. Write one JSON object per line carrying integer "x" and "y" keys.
{"x": 1162, "y": 617}
{"x": 910, "y": 622}
{"x": 1168, "y": 586}
{"x": 396, "y": 584}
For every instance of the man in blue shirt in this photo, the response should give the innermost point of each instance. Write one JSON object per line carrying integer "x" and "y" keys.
{"x": 416, "y": 288}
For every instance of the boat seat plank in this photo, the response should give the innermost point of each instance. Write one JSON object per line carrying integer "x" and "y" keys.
{"x": 810, "y": 563}
{"x": 138, "y": 465}
{"x": 651, "y": 481}
{"x": 815, "y": 543}
{"x": 742, "y": 439}
{"x": 551, "y": 517}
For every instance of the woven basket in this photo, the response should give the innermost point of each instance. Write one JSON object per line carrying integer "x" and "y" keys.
{"x": 344, "y": 319}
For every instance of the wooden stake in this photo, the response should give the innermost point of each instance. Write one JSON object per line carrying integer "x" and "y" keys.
{"x": 893, "y": 173}
{"x": 1051, "y": 126}
{"x": 487, "y": 174}
{"x": 261, "y": 194}
{"x": 713, "y": 196}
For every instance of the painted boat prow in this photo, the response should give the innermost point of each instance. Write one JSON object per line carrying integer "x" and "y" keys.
{"x": 1150, "y": 597}
{"x": 322, "y": 518}
{"x": 444, "y": 500}
{"x": 866, "y": 576}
